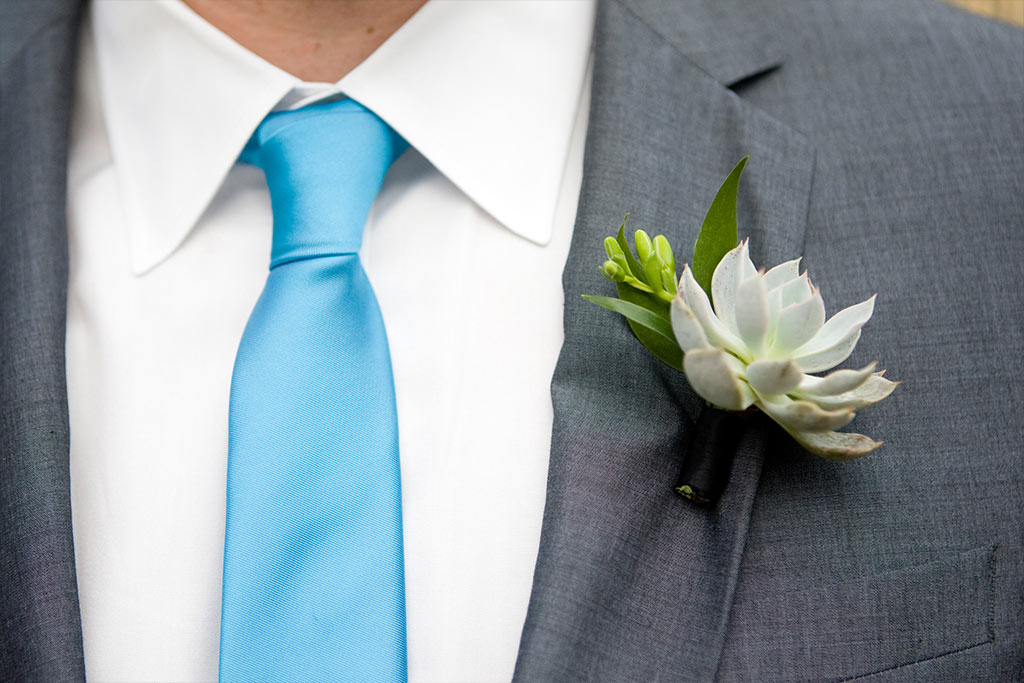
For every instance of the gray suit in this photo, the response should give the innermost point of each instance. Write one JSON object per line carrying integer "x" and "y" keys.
{"x": 887, "y": 146}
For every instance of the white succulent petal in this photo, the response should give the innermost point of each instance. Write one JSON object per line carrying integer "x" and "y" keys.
{"x": 774, "y": 308}
{"x": 804, "y": 416}
{"x": 830, "y": 357}
{"x": 717, "y": 333}
{"x": 769, "y": 377}
{"x": 747, "y": 267}
{"x": 839, "y": 327}
{"x": 775, "y": 302}
{"x": 779, "y": 284}
{"x": 796, "y": 290}
{"x": 798, "y": 323}
{"x": 687, "y": 329}
{"x": 726, "y": 281}
{"x": 837, "y": 382}
{"x": 748, "y": 397}
{"x": 738, "y": 366}
{"x": 873, "y": 390}
{"x": 754, "y": 345}
{"x": 836, "y": 445}
{"x": 714, "y": 378}
{"x": 781, "y": 274}
{"x": 752, "y": 314}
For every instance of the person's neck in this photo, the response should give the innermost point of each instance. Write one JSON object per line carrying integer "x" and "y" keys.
{"x": 314, "y": 40}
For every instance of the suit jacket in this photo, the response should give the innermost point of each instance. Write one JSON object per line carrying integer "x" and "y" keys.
{"x": 886, "y": 147}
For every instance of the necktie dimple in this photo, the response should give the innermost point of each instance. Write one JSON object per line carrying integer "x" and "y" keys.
{"x": 313, "y": 566}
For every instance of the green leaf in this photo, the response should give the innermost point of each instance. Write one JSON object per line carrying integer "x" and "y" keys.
{"x": 718, "y": 233}
{"x": 648, "y": 318}
{"x": 650, "y": 301}
{"x": 665, "y": 350}
{"x": 634, "y": 265}
{"x": 634, "y": 313}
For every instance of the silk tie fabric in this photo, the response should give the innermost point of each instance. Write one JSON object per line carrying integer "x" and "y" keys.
{"x": 313, "y": 565}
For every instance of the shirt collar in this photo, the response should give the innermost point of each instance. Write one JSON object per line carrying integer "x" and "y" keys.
{"x": 181, "y": 99}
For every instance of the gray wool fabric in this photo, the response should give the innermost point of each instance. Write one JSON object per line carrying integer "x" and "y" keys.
{"x": 40, "y": 632}
{"x": 886, "y": 144}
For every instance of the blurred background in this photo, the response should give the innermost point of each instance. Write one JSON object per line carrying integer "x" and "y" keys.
{"x": 1011, "y": 11}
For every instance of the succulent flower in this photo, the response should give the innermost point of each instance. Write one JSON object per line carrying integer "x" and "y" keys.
{"x": 758, "y": 342}
{"x": 744, "y": 338}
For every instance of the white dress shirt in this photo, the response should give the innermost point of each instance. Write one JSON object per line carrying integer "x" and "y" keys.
{"x": 464, "y": 246}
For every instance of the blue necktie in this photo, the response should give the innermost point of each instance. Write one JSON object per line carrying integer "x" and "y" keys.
{"x": 313, "y": 569}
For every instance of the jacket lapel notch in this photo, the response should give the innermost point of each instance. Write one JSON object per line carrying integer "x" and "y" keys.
{"x": 725, "y": 42}
{"x": 726, "y": 39}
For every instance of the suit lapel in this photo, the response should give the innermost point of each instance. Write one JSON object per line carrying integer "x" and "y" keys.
{"x": 40, "y": 626}
{"x": 633, "y": 582}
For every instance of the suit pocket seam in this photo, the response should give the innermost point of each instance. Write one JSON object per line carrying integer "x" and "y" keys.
{"x": 957, "y": 651}
{"x": 990, "y": 627}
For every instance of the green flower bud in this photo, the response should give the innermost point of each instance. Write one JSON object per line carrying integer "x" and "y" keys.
{"x": 620, "y": 259}
{"x": 652, "y": 272}
{"x": 668, "y": 280}
{"x": 664, "y": 251}
{"x": 643, "y": 245}
{"x": 613, "y": 271}
{"x": 612, "y": 248}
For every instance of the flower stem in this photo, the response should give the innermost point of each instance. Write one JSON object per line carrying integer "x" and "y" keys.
{"x": 708, "y": 460}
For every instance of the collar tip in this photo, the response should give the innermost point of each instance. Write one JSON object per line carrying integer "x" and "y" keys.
{"x": 143, "y": 262}
{"x": 539, "y": 236}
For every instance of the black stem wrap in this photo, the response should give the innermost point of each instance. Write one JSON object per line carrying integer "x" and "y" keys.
{"x": 708, "y": 460}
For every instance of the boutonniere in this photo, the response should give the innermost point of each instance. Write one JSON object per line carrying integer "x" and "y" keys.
{"x": 747, "y": 339}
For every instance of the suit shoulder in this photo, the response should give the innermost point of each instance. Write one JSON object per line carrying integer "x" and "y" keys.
{"x": 869, "y": 70}
{"x": 849, "y": 44}
{"x": 926, "y": 46}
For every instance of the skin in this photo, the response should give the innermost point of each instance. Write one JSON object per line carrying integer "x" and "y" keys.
{"x": 315, "y": 40}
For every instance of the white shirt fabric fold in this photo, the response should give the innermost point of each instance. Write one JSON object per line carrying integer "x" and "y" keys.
{"x": 170, "y": 239}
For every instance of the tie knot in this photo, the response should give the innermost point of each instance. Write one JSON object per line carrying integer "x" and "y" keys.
{"x": 324, "y": 166}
